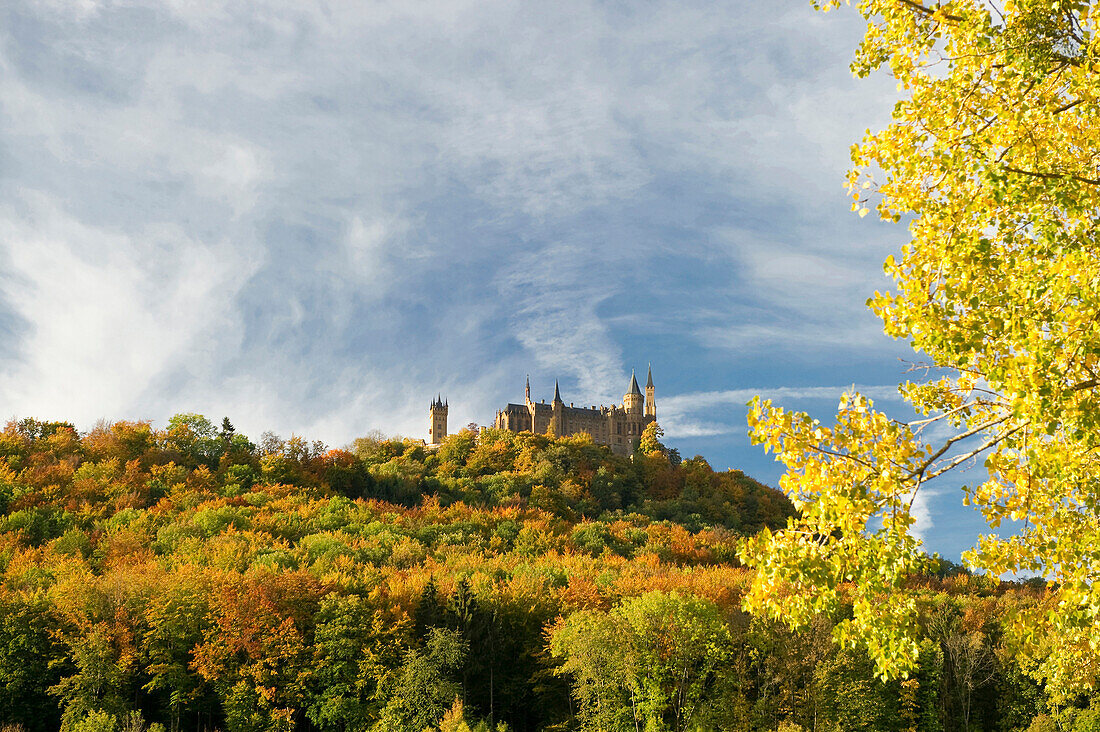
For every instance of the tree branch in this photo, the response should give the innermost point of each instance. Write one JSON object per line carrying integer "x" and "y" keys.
{"x": 929, "y": 12}
{"x": 1052, "y": 176}
{"x": 919, "y": 471}
{"x": 973, "y": 453}
{"x": 1067, "y": 106}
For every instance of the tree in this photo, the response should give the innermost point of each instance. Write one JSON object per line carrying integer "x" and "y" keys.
{"x": 195, "y": 438}
{"x": 429, "y": 610}
{"x": 355, "y": 648}
{"x": 852, "y": 698}
{"x": 100, "y": 680}
{"x": 601, "y": 666}
{"x": 969, "y": 660}
{"x": 255, "y": 653}
{"x": 27, "y": 653}
{"x": 991, "y": 157}
{"x": 424, "y": 689}
{"x": 651, "y": 661}
{"x": 175, "y": 625}
{"x": 650, "y": 441}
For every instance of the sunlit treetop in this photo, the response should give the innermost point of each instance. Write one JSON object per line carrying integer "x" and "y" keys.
{"x": 993, "y": 159}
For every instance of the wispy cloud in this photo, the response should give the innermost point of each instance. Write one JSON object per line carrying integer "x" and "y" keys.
{"x": 922, "y": 511}
{"x": 686, "y": 402}
{"x": 313, "y": 217}
{"x": 692, "y": 415}
{"x": 87, "y": 290}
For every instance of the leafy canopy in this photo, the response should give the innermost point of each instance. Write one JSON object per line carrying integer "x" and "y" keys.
{"x": 992, "y": 157}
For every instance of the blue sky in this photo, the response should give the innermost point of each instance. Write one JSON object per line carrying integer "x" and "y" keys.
{"x": 314, "y": 216}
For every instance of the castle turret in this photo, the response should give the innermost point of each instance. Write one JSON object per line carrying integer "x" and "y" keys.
{"x": 557, "y": 418}
{"x": 632, "y": 400}
{"x": 650, "y": 401}
{"x": 437, "y": 421}
{"x": 527, "y": 394}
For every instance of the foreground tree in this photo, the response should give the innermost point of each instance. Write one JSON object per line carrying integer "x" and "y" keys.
{"x": 425, "y": 687}
{"x": 653, "y": 662}
{"x": 992, "y": 158}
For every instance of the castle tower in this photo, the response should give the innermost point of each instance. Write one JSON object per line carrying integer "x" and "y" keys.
{"x": 438, "y": 421}
{"x": 557, "y": 420}
{"x": 632, "y": 400}
{"x": 650, "y": 401}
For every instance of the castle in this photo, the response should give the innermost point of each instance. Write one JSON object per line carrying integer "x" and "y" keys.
{"x": 616, "y": 426}
{"x": 619, "y": 426}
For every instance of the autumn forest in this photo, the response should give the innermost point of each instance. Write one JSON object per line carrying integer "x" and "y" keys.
{"x": 188, "y": 578}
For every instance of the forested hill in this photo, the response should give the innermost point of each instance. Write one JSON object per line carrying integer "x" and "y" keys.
{"x": 57, "y": 479}
{"x": 192, "y": 574}
{"x": 190, "y": 578}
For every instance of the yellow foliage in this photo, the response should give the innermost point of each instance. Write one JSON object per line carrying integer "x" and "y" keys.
{"x": 991, "y": 157}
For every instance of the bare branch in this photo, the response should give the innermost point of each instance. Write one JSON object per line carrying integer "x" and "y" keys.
{"x": 957, "y": 461}
{"x": 919, "y": 471}
{"x": 948, "y": 413}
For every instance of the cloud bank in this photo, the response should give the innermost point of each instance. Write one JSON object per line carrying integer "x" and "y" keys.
{"x": 313, "y": 217}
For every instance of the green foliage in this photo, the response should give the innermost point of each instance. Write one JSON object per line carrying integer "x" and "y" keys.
{"x": 852, "y": 698}
{"x": 651, "y": 661}
{"x": 602, "y": 670}
{"x": 355, "y": 649}
{"x": 424, "y": 687}
{"x": 194, "y": 438}
{"x": 27, "y": 649}
{"x": 1085, "y": 720}
{"x": 94, "y": 721}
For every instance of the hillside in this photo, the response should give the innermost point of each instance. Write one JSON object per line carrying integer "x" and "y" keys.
{"x": 191, "y": 578}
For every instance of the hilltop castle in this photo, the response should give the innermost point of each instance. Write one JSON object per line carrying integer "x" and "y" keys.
{"x": 617, "y": 426}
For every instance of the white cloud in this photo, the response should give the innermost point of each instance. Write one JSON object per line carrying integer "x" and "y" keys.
{"x": 108, "y": 312}
{"x": 677, "y": 427}
{"x": 312, "y": 216}
{"x": 794, "y": 334}
{"x": 554, "y": 316}
{"x": 921, "y": 511}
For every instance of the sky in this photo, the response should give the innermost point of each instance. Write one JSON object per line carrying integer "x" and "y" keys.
{"x": 312, "y": 217}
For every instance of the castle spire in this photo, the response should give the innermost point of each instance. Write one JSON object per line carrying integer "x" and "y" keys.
{"x": 557, "y": 394}
{"x": 632, "y": 400}
{"x": 650, "y": 398}
{"x": 527, "y": 393}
